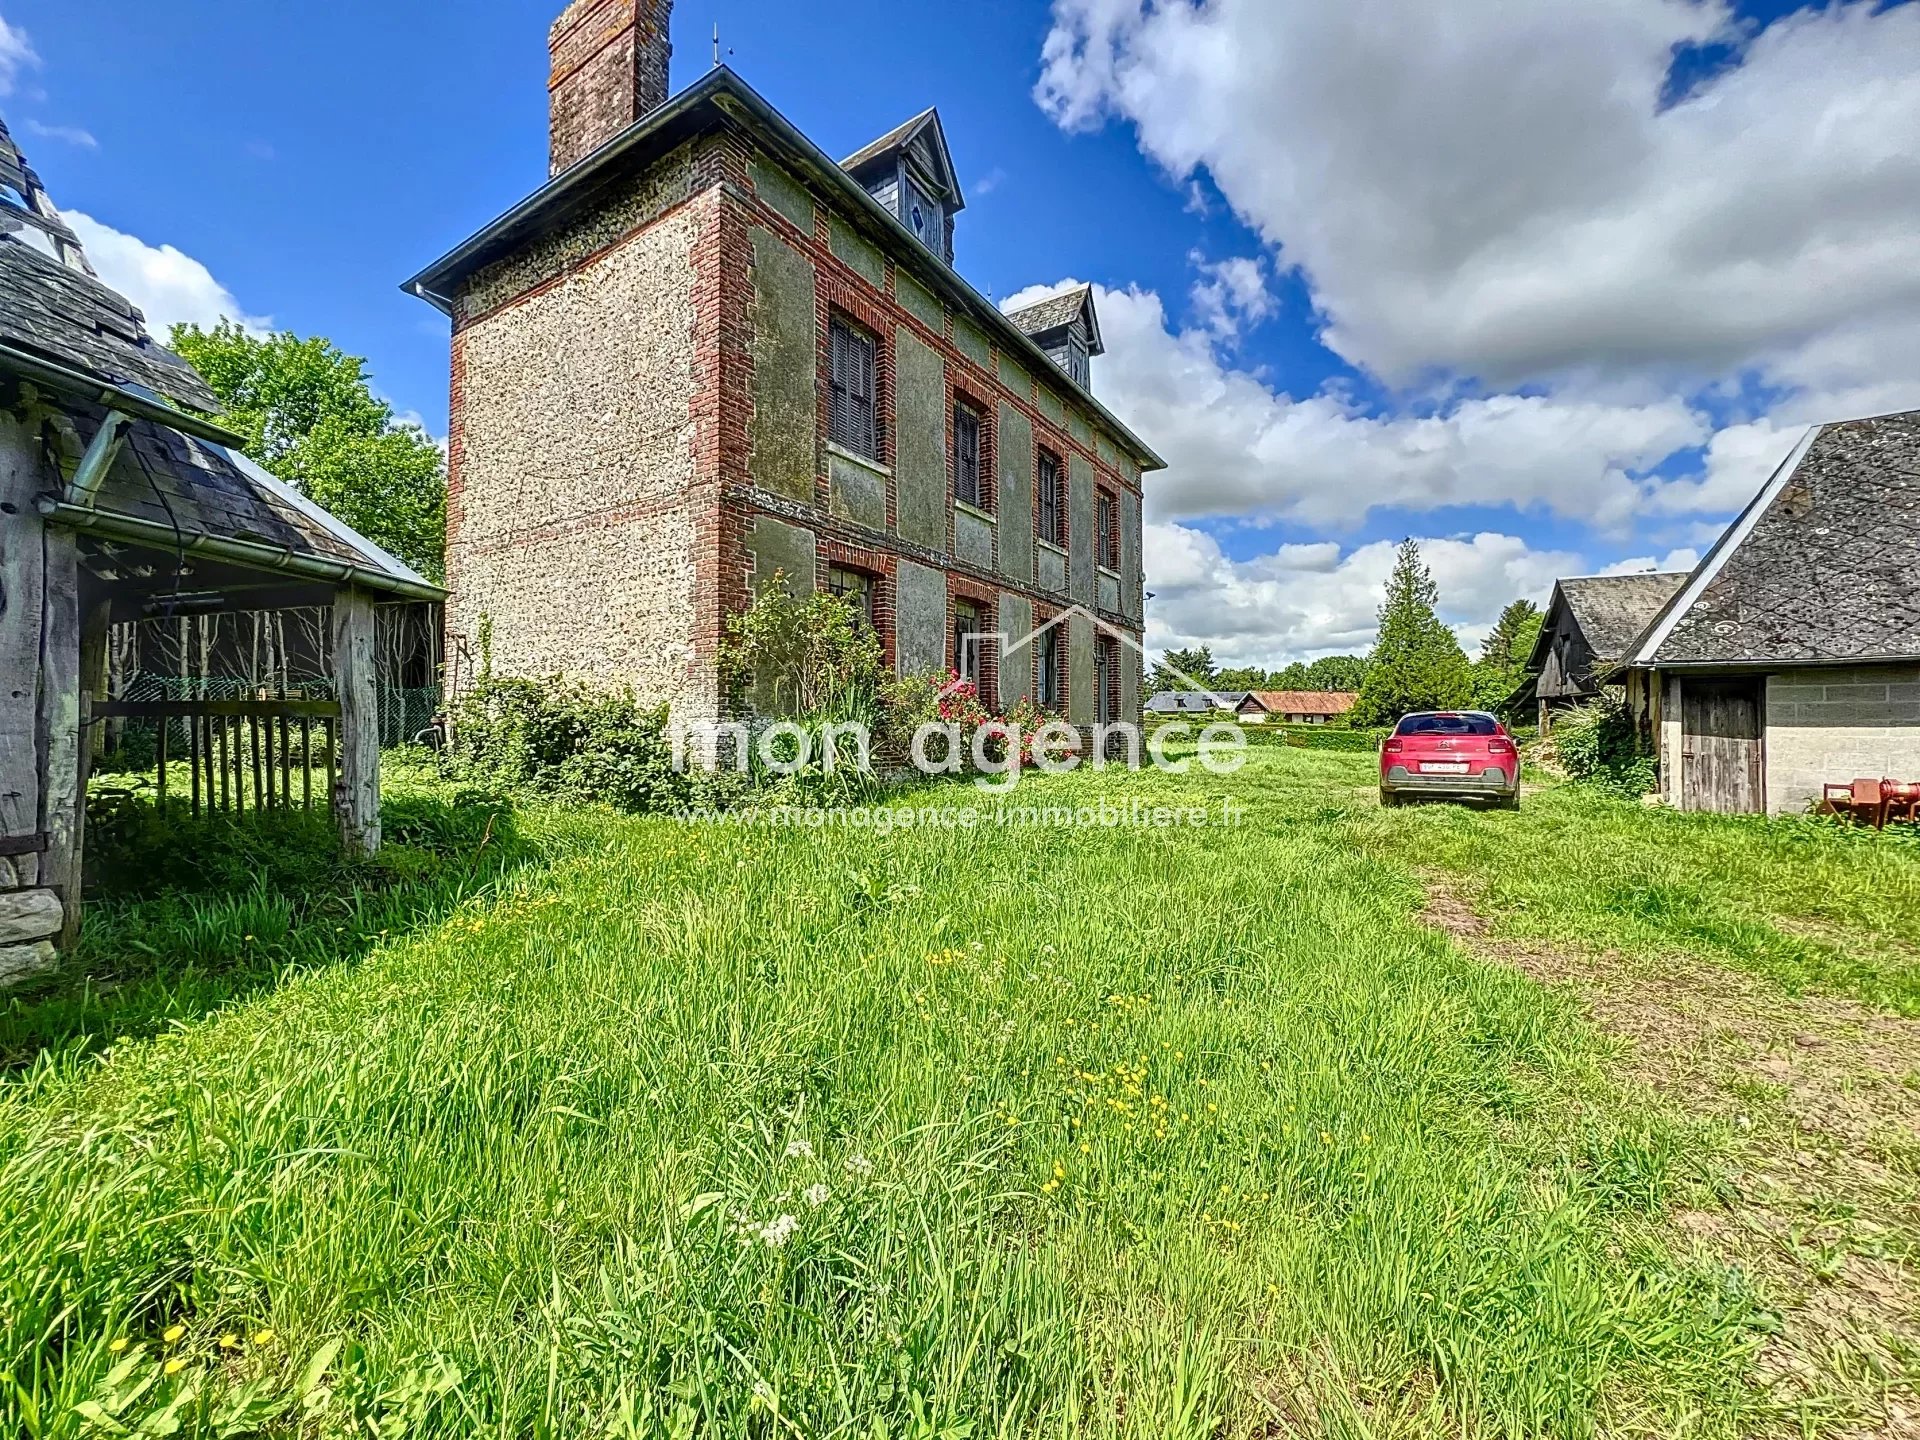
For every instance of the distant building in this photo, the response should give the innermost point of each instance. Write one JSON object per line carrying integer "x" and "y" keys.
{"x": 1790, "y": 657}
{"x": 1194, "y": 702}
{"x": 1295, "y": 707}
{"x": 1590, "y": 626}
{"x": 705, "y": 354}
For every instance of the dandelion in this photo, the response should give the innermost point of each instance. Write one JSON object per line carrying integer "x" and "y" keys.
{"x": 263, "y": 1337}
{"x": 173, "y": 1333}
{"x": 175, "y": 1365}
{"x": 229, "y": 1341}
{"x": 117, "y": 1345}
{"x": 859, "y": 1165}
{"x": 816, "y": 1195}
{"x": 799, "y": 1150}
{"x": 777, "y": 1231}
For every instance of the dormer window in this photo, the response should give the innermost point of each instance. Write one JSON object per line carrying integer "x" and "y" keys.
{"x": 1066, "y": 327}
{"x": 910, "y": 172}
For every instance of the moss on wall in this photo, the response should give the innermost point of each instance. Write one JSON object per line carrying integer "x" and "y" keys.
{"x": 1080, "y": 529}
{"x": 785, "y": 395}
{"x": 856, "y": 251}
{"x": 784, "y": 193}
{"x": 920, "y": 441}
{"x": 1015, "y": 501}
{"x": 919, "y": 618}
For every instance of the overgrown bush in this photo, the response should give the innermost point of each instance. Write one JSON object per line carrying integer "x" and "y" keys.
{"x": 563, "y": 740}
{"x": 1598, "y": 745}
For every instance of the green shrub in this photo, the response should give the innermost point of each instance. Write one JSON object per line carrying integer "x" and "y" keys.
{"x": 1597, "y": 744}
{"x": 562, "y": 740}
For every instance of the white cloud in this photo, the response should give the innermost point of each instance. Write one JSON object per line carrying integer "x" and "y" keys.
{"x": 67, "y": 134}
{"x": 1507, "y": 192}
{"x": 1237, "y": 447}
{"x": 169, "y": 286}
{"x": 1300, "y": 601}
{"x": 1231, "y": 295}
{"x": 1673, "y": 561}
{"x": 16, "y": 54}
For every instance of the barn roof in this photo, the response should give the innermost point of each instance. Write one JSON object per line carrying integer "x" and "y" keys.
{"x": 1611, "y": 610}
{"x": 1822, "y": 567}
{"x": 1303, "y": 702}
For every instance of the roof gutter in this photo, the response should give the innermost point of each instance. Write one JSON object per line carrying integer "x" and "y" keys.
{"x": 77, "y": 383}
{"x": 254, "y": 554}
{"x": 710, "y": 88}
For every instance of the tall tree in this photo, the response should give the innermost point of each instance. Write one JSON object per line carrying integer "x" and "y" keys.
{"x": 308, "y": 414}
{"x": 1342, "y": 673}
{"x": 1417, "y": 663}
{"x": 1502, "y": 666}
{"x": 1184, "y": 670}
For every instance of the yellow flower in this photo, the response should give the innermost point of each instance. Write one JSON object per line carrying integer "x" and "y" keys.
{"x": 173, "y": 1333}
{"x": 229, "y": 1341}
{"x": 1325, "y": 1138}
{"x": 116, "y": 1346}
{"x": 263, "y": 1337}
{"x": 175, "y": 1365}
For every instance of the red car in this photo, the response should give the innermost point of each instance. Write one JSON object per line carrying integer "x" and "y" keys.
{"x": 1452, "y": 754}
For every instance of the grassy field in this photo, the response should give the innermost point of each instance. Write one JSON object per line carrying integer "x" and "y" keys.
{"x": 565, "y": 1124}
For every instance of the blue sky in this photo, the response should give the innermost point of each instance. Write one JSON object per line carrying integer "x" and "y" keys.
{"x": 1547, "y": 287}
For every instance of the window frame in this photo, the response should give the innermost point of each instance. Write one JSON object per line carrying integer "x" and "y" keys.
{"x": 1048, "y": 691}
{"x": 855, "y": 360}
{"x": 965, "y": 411}
{"x": 1106, "y": 529}
{"x": 1106, "y": 680}
{"x": 868, "y": 590}
{"x": 1049, "y": 477}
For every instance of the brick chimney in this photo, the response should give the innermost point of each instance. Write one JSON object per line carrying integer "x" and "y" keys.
{"x": 609, "y": 68}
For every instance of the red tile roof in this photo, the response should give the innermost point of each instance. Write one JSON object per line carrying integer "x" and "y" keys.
{"x": 1302, "y": 702}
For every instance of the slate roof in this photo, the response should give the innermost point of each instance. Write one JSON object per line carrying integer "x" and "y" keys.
{"x": 165, "y": 487}
{"x": 1304, "y": 702}
{"x": 1612, "y": 611}
{"x": 1823, "y": 566}
{"x": 1060, "y": 310}
{"x": 1193, "y": 702}
{"x": 903, "y": 135}
{"x": 68, "y": 316}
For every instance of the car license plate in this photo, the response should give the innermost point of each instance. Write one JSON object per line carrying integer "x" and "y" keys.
{"x": 1443, "y": 767}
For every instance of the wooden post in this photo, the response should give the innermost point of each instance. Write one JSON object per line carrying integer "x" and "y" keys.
{"x": 59, "y": 719}
{"x": 357, "y": 803}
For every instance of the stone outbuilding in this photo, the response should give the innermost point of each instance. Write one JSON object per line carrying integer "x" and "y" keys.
{"x": 1791, "y": 655}
{"x": 705, "y": 354}
{"x": 123, "y": 500}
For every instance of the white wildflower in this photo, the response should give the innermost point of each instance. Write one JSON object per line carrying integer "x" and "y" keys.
{"x": 777, "y": 1231}
{"x": 816, "y": 1195}
{"x": 859, "y": 1165}
{"x": 799, "y": 1150}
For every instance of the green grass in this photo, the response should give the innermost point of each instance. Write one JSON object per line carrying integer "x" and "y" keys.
{"x": 1810, "y": 903}
{"x": 1117, "y": 1132}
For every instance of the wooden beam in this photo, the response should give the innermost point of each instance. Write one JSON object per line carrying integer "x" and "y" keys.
{"x": 59, "y": 723}
{"x": 21, "y": 601}
{"x": 102, "y": 451}
{"x": 357, "y": 790}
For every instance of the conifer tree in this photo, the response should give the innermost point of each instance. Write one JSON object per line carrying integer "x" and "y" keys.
{"x": 1417, "y": 663}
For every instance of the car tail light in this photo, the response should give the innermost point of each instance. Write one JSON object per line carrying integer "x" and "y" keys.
{"x": 1391, "y": 745}
{"x": 1500, "y": 745}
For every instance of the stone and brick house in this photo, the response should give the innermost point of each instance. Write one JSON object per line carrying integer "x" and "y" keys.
{"x": 705, "y": 354}
{"x": 1790, "y": 657}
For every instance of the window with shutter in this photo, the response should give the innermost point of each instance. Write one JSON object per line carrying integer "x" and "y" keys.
{"x": 966, "y": 457}
{"x": 1107, "y": 538}
{"x": 1047, "y": 669}
{"x": 1050, "y": 509}
{"x": 850, "y": 410}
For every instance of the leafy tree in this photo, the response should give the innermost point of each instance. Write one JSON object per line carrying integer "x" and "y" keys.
{"x": 1183, "y": 669}
{"x": 1246, "y": 677}
{"x": 1340, "y": 673}
{"x": 308, "y": 415}
{"x": 1417, "y": 663}
{"x": 1502, "y": 666}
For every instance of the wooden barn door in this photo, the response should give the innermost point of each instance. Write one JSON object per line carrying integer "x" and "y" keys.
{"x": 1720, "y": 746}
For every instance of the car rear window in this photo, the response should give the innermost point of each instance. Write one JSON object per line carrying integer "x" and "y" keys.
{"x": 1448, "y": 725}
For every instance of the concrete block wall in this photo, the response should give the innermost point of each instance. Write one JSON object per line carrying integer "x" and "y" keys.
{"x": 1836, "y": 724}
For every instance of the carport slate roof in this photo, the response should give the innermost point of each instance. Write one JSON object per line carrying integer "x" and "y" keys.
{"x": 1823, "y": 566}
{"x": 1612, "y": 611}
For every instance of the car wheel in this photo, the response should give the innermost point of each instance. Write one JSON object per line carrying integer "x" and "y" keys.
{"x": 1388, "y": 799}
{"x": 1508, "y": 802}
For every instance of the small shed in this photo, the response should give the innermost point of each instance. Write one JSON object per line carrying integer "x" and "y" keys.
{"x": 1296, "y": 707}
{"x": 1590, "y": 626}
{"x": 1790, "y": 657}
{"x": 123, "y": 499}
